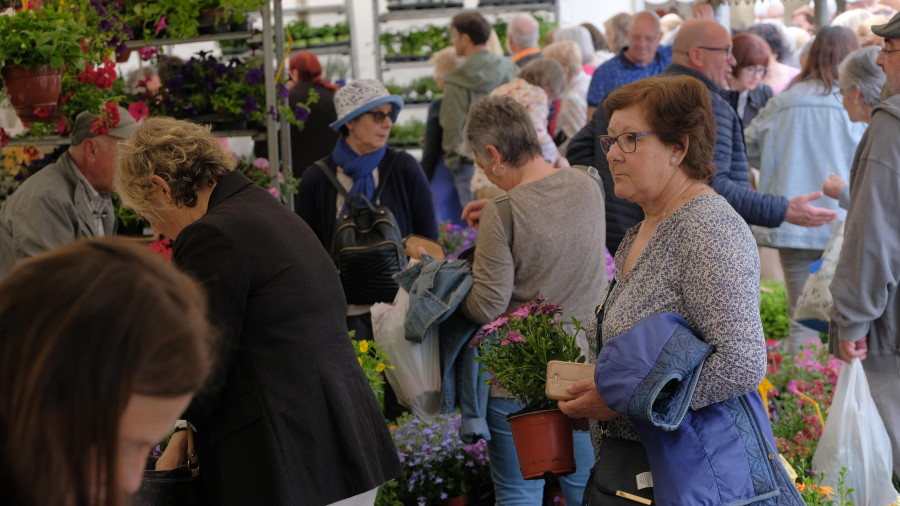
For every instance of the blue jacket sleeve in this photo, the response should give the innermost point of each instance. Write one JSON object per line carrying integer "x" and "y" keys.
{"x": 732, "y": 179}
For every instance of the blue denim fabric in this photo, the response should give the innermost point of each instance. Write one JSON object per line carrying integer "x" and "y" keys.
{"x": 436, "y": 288}
{"x": 510, "y": 489}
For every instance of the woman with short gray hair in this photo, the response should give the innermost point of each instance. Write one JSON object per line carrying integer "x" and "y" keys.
{"x": 861, "y": 81}
{"x": 526, "y": 254}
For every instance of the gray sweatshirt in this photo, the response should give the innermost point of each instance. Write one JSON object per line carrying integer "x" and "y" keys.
{"x": 867, "y": 275}
{"x": 558, "y": 250}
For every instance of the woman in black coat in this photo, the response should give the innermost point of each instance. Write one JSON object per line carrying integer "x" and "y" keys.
{"x": 289, "y": 417}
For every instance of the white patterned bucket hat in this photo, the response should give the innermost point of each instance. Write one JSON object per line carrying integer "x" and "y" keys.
{"x": 357, "y": 97}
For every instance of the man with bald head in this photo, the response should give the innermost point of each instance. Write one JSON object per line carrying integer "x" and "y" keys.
{"x": 641, "y": 58}
{"x": 702, "y": 49}
{"x": 522, "y": 39}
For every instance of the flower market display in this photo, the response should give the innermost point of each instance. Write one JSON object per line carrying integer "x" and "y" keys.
{"x": 437, "y": 465}
{"x": 518, "y": 344}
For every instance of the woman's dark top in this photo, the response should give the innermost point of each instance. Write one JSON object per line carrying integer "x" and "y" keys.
{"x": 317, "y": 139}
{"x": 288, "y": 417}
{"x": 406, "y": 193}
{"x": 432, "y": 150}
{"x": 756, "y": 100}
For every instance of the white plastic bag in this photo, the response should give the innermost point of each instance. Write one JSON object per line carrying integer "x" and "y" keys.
{"x": 416, "y": 376}
{"x": 855, "y": 437}
{"x": 815, "y": 302}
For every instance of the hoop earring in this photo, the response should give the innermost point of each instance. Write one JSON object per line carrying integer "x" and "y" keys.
{"x": 494, "y": 170}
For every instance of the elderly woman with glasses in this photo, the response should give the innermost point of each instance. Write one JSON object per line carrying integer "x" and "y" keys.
{"x": 746, "y": 92}
{"x": 861, "y": 81}
{"x": 800, "y": 137}
{"x": 692, "y": 255}
{"x": 565, "y": 264}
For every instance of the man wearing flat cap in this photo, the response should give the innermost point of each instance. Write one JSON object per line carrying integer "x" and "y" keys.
{"x": 865, "y": 320}
{"x": 69, "y": 198}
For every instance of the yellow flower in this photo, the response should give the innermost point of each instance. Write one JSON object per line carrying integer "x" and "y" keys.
{"x": 379, "y": 367}
{"x": 364, "y": 346}
{"x": 360, "y": 361}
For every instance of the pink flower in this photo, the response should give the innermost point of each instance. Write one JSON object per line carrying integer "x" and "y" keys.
{"x": 492, "y": 327}
{"x": 274, "y": 192}
{"x": 261, "y": 163}
{"x": 160, "y": 25}
{"x": 138, "y": 110}
{"x": 522, "y": 311}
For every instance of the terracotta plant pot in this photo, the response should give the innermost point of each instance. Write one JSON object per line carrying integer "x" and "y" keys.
{"x": 29, "y": 89}
{"x": 544, "y": 443}
{"x": 460, "y": 500}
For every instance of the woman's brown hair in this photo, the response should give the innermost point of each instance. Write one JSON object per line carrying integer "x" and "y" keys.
{"x": 749, "y": 50}
{"x": 676, "y": 107}
{"x": 831, "y": 45}
{"x": 82, "y": 329}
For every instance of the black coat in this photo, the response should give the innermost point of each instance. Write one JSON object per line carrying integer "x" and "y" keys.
{"x": 317, "y": 139}
{"x": 584, "y": 149}
{"x": 756, "y": 100}
{"x": 289, "y": 417}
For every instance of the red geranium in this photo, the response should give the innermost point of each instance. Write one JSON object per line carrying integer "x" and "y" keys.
{"x": 109, "y": 118}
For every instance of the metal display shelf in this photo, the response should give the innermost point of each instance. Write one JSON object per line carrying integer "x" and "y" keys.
{"x": 213, "y": 37}
{"x": 339, "y": 48}
{"x": 56, "y": 140}
{"x": 318, "y": 9}
{"x": 442, "y": 12}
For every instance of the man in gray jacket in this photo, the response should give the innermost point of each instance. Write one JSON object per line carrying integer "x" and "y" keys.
{"x": 865, "y": 319}
{"x": 476, "y": 77}
{"x": 67, "y": 199}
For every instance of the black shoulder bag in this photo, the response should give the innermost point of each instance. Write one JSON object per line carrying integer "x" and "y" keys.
{"x": 366, "y": 245}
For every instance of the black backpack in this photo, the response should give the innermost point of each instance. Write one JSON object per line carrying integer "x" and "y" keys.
{"x": 366, "y": 245}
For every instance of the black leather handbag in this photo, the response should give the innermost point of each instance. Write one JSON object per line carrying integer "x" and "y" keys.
{"x": 366, "y": 245}
{"x": 621, "y": 475}
{"x": 176, "y": 487}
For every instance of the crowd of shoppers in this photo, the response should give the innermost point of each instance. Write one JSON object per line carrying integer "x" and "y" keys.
{"x": 255, "y": 357}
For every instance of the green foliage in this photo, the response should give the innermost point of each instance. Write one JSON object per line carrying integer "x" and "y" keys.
{"x": 814, "y": 494}
{"x": 305, "y": 35}
{"x": 407, "y": 134}
{"x": 258, "y": 172}
{"x": 517, "y": 346}
{"x": 773, "y": 309}
{"x": 41, "y": 36}
{"x": 374, "y": 362}
{"x": 415, "y": 42}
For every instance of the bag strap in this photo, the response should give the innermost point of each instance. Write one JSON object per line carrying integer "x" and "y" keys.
{"x": 388, "y": 166}
{"x": 505, "y": 210}
{"x": 334, "y": 182}
{"x": 390, "y": 157}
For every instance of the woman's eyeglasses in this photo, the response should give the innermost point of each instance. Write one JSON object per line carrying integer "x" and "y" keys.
{"x": 627, "y": 141}
{"x": 378, "y": 116}
{"x": 757, "y": 70}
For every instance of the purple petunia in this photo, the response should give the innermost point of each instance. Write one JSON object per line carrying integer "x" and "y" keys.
{"x": 301, "y": 113}
{"x": 283, "y": 92}
{"x": 251, "y": 105}
{"x": 254, "y": 76}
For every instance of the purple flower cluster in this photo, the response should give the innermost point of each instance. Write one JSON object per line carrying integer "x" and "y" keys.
{"x": 456, "y": 239}
{"x": 436, "y": 463}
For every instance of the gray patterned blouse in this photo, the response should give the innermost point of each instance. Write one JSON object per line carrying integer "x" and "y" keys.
{"x": 703, "y": 264}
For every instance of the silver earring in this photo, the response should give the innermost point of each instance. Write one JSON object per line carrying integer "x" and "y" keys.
{"x": 494, "y": 170}
{"x": 674, "y": 159}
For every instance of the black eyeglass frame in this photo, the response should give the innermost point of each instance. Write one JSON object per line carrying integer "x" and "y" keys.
{"x": 729, "y": 50}
{"x": 607, "y": 141}
{"x": 378, "y": 116}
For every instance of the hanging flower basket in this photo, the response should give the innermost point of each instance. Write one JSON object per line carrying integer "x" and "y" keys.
{"x": 543, "y": 443}
{"x": 33, "y": 92}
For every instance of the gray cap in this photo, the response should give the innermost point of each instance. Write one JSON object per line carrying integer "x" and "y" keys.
{"x": 84, "y": 123}
{"x": 889, "y": 30}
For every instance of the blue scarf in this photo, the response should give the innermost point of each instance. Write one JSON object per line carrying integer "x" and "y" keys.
{"x": 359, "y": 167}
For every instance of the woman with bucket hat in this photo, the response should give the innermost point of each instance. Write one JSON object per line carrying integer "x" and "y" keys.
{"x": 361, "y": 162}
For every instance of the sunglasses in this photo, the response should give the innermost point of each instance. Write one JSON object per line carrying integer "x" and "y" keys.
{"x": 378, "y": 116}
